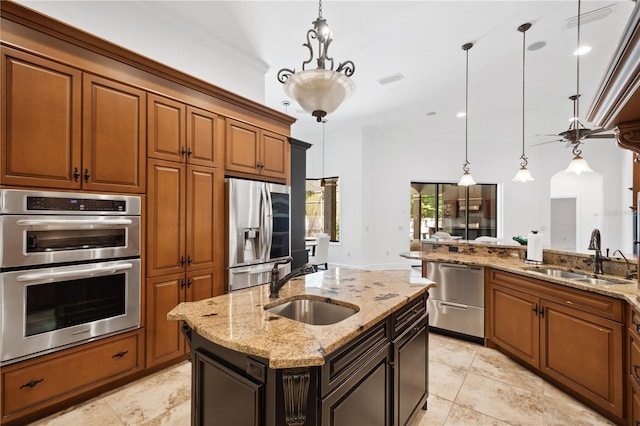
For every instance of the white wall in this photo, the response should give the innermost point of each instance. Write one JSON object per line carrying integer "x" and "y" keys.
{"x": 144, "y": 29}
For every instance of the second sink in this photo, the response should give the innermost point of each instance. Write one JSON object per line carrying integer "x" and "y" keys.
{"x": 558, "y": 273}
{"x": 313, "y": 311}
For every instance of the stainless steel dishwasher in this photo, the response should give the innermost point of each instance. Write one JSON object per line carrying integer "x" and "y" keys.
{"x": 456, "y": 304}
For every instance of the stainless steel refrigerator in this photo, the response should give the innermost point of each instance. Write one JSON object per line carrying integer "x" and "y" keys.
{"x": 258, "y": 224}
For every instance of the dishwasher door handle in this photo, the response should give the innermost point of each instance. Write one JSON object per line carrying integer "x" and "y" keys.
{"x": 453, "y": 266}
{"x": 452, "y": 305}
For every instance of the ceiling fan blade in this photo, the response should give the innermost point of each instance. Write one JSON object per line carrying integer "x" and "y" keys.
{"x": 598, "y": 130}
{"x": 544, "y": 143}
{"x": 607, "y": 136}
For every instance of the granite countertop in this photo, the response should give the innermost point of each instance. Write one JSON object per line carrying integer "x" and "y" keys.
{"x": 238, "y": 320}
{"x": 512, "y": 263}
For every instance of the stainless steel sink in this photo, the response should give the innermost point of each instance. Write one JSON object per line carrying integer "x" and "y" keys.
{"x": 600, "y": 281}
{"x": 559, "y": 273}
{"x": 313, "y": 311}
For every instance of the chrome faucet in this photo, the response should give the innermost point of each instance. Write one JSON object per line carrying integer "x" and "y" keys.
{"x": 594, "y": 244}
{"x": 277, "y": 283}
{"x": 629, "y": 274}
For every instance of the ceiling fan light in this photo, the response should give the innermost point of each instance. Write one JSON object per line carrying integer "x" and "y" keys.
{"x": 578, "y": 165}
{"x": 466, "y": 180}
{"x": 319, "y": 91}
{"x": 523, "y": 176}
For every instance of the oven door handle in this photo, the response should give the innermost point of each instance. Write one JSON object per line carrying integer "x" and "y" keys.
{"x": 78, "y": 273}
{"x": 40, "y": 222}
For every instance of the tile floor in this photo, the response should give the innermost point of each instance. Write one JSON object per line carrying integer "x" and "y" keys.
{"x": 469, "y": 385}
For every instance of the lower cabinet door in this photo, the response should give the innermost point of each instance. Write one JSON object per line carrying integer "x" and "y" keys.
{"x": 410, "y": 372}
{"x": 222, "y": 396}
{"x": 363, "y": 399}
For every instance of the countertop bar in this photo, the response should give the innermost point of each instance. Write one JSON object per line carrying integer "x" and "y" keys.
{"x": 238, "y": 320}
{"x": 510, "y": 261}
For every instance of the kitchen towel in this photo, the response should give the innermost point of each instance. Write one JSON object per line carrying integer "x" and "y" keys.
{"x": 534, "y": 246}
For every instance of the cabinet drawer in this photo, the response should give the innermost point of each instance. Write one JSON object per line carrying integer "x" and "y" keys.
{"x": 342, "y": 364}
{"x": 634, "y": 322}
{"x": 635, "y": 406}
{"x": 26, "y": 387}
{"x": 408, "y": 315}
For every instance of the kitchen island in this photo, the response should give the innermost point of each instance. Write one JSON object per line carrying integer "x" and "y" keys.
{"x": 251, "y": 366}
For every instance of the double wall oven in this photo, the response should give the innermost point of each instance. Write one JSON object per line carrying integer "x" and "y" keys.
{"x": 70, "y": 270}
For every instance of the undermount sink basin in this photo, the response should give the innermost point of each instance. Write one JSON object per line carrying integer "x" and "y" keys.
{"x": 559, "y": 273}
{"x": 600, "y": 281}
{"x": 313, "y": 311}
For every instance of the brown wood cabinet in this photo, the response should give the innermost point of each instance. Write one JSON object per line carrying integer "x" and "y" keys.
{"x": 69, "y": 130}
{"x": 572, "y": 337}
{"x": 46, "y": 381}
{"x": 184, "y": 133}
{"x": 633, "y": 366}
{"x": 254, "y": 151}
{"x": 185, "y": 239}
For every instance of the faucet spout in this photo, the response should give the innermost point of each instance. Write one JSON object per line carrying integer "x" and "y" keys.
{"x": 629, "y": 274}
{"x": 594, "y": 244}
{"x": 277, "y": 283}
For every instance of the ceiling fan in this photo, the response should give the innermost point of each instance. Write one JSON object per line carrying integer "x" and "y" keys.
{"x": 577, "y": 132}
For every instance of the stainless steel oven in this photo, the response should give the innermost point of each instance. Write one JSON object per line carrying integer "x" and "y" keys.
{"x": 70, "y": 269}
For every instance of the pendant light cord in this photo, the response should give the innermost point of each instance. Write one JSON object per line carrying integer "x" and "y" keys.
{"x": 523, "y": 29}
{"x": 465, "y": 166}
{"x": 577, "y": 112}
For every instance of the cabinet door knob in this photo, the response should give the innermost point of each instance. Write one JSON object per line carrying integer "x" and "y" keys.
{"x": 182, "y": 261}
{"x": 189, "y": 152}
{"x": 189, "y": 260}
{"x": 188, "y": 282}
{"x": 182, "y": 283}
{"x": 87, "y": 175}
{"x": 76, "y": 174}
{"x": 536, "y": 309}
{"x": 183, "y": 151}
{"x": 32, "y": 383}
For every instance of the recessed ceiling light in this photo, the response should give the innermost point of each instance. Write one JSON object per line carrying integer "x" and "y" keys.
{"x": 582, "y": 50}
{"x": 461, "y": 114}
{"x": 537, "y": 45}
{"x": 390, "y": 79}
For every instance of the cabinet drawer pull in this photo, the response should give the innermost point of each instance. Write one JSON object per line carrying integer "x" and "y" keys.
{"x": 182, "y": 261}
{"x": 120, "y": 354}
{"x": 87, "y": 175}
{"x": 535, "y": 309}
{"x": 189, "y": 260}
{"x": 32, "y": 383}
{"x": 189, "y": 152}
{"x": 182, "y": 283}
{"x": 183, "y": 151}
{"x": 188, "y": 282}
{"x": 542, "y": 311}
{"x": 76, "y": 174}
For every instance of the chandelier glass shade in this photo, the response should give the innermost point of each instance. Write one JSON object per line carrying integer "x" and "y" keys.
{"x": 319, "y": 91}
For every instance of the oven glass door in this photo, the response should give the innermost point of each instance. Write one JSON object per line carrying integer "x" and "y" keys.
{"x": 45, "y": 309}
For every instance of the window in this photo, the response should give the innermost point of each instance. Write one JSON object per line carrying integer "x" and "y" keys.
{"x": 463, "y": 212}
{"x": 322, "y": 208}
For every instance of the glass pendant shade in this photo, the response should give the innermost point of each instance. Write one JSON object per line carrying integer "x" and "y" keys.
{"x": 523, "y": 176}
{"x": 319, "y": 91}
{"x": 578, "y": 165}
{"x": 466, "y": 180}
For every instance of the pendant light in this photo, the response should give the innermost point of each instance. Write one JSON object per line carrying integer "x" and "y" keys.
{"x": 523, "y": 174}
{"x": 466, "y": 179}
{"x": 578, "y": 164}
{"x": 319, "y": 91}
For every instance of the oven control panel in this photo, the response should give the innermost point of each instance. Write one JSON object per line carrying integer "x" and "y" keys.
{"x": 75, "y": 204}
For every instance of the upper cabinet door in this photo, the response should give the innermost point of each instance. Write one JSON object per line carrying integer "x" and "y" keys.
{"x": 166, "y": 134}
{"x": 243, "y": 147}
{"x": 205, "y": 138}
{"x": 114, "y": 132}
{"x": 41, "y": 113}
{"x": 275, "y": 151}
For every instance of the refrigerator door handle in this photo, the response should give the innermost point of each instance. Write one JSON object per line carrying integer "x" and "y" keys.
{"x": 268, "y": 222}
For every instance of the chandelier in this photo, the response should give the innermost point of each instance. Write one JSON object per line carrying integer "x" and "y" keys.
{"x": 319, "y": 91}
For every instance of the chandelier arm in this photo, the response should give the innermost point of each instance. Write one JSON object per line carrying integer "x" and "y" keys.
{"x": 348, "y": 67}
{"x": 576, "y": 151}
{"x": 311, "y": 34}
{"x": 284, "y": 74}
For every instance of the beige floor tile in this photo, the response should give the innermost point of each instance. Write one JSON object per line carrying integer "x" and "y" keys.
{"x": 452, "y": 352}
{"x": 445, "y": 381}
{"x": 95, "y": 413}
{"x": 501, "y": 400}
{"x": 435, "y": 415}
{"x": 180, "y": 415}
{"x": 562, "y": 409}
{"x": 151, "y": 397}
{"x": 495, "y": 365}
{"x": 459, "y": 415}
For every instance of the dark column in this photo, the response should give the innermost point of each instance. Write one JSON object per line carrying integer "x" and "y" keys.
{"x": 298, "y": 198}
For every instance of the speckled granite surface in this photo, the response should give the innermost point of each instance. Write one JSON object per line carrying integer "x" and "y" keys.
{"x": 239, "y": 321}
{"x": 512, "y": 261}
